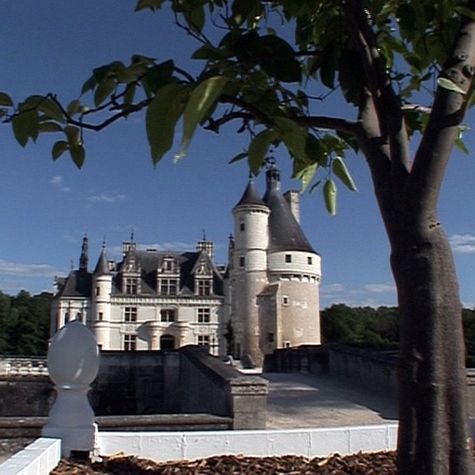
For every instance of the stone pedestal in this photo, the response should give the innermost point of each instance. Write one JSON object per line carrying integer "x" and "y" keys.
{"x": 249, "y": 402}
{"x": 73, "y": 363}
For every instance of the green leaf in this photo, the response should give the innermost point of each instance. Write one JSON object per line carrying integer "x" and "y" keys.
{"x": 461, "y": 146}
{"x": 208, "y": 51}
{"x": 201, "y": 100}
{"x": 195, "y": 17}
{"x": 59, "y": 148}
{"x": 238, "y": 157}
{"x": 89, "y": 85}
{"x": 150, "y": 4}
{"x": 73, "y": 107}
{"x": 5, "y": 100}
{"x": 449, "y": 85}
{"x": 241, "y": 10}
{"x": 340, "y": 170}
{"x": 277, "y": 58}
{"x": 103, "y": 91}
{"x": 293, "y": 136}
{"x": 25, "y": 125}
{"x": 306, "y": 175}
{"x": 258, "y": 149}
{"x": 161, "y": 118}
{"x": 157, "y": 76}
{"x": 78, "y": 154}
{"x": 51, "y": 109}
{"x": 49, "y": 127}
{"x": 329, "y": 195}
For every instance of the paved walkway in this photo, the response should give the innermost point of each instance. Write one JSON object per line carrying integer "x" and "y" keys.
{"x": 303, "y": 400}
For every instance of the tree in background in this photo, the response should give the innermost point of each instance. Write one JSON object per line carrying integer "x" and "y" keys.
{"x": 24, "y": 323}
{"x": 405, "y": 71}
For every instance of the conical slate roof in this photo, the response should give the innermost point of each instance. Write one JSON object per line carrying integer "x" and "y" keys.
{"x": 285, "y": 233}
{"x": 102, "y": 266}
{"x": 250, "y": 196}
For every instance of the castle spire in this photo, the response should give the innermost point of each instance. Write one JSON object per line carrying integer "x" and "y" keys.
{"x": 84, "y": 258}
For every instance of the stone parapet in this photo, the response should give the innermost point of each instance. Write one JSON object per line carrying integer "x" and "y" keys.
{"x": 220, "y": 389}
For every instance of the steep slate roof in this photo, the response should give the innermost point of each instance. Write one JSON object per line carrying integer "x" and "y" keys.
{"x": 250, "y": 196}
{"x": 285, "y": 233}
{"x": 102, "y": 266}
{"x": 150, "y": 261}
{"x": 77, "y": 284}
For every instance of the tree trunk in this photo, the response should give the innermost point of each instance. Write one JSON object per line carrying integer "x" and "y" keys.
{"x": 433, "y": 416}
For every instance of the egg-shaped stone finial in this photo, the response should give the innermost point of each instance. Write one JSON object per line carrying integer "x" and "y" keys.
{"x": 73, "y": 356}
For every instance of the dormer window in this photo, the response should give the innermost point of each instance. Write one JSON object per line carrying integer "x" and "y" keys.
{"x": 169, "y": 265}
{"x": 131, "y": 286}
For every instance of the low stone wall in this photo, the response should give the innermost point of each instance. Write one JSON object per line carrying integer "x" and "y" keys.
{"x": 26, "y": 395}
{"x": 209, "y": 385}
{"x": 134, "y": 383}
{"x": 188, "y": 380}
{"x": 375, "y": 369}
{"x": 311, "y": 359}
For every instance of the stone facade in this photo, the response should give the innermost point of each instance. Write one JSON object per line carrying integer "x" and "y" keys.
{"x": 273, "y": 276}
{"x": 267, "y": 297}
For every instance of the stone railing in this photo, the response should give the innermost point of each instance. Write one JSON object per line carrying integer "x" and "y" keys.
{"x": 215, "y": 388}
{"x": 23, "y": 365}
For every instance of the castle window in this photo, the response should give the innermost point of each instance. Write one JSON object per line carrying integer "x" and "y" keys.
{"x": 131, "y": 286}
{"x": 288, "y": 258}
{"x": 270, "y": 337}
{"x": 203, "y": 287}
{"x": 130, "y": 342}
{"x": 100, "y": 316}
{"x": 242, "y": 226}
{"x": 130, "y": 314}
{"x": 203, "y": 340}
{"x": 169, "y": 265}
{"x": 167, "y": 315}
{"x": 204, "y": 315}
{"x": 285, "y": 300}
{"x": 98, "y": 291}
{"x": 168, "y": 286}
{"x": 309, "y": 261}
{"x": 242, "y": 262}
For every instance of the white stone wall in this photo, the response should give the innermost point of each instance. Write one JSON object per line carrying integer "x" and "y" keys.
{"x": 299, "y": 263}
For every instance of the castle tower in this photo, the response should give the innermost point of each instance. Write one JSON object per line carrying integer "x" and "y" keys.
{"x": 289, "y": 307}
{"x": 101, "y": 301}
{"x": 248, "y": 273}
{"x": 84, "y": 258}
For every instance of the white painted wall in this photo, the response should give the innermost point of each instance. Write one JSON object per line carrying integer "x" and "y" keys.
{"x": 258, "y": 443}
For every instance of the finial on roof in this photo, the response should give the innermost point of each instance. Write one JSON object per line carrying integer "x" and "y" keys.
{"x": 204, "y": 234}
{"x": 72, "y": 264}
{"x": 132, "y": 235}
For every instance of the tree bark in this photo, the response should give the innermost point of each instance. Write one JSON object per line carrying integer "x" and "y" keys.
{"x": 433, "y": 416}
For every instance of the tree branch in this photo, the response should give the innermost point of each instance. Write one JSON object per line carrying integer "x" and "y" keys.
{"x": 386, "y": 101}
{"x": 447, "y": 113}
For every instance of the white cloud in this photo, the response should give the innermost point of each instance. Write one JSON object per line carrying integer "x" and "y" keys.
{"x": 107, "y": 197}
{"x": 30, "y": 270}
{"x": 57, "y": 181}
{"x": 372, "y": 295}
{"x": 380, "y": 288}
{"x": 462, "y": 243}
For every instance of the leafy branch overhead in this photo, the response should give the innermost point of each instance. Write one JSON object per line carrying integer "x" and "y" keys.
{"x": 261, "y": 79}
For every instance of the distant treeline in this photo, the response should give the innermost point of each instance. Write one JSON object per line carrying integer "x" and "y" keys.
{"x": 377, "y": 328}
{"x": 24, "y": 323}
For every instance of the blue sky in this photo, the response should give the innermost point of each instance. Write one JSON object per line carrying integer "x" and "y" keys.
{"x": 47, "y": 207}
